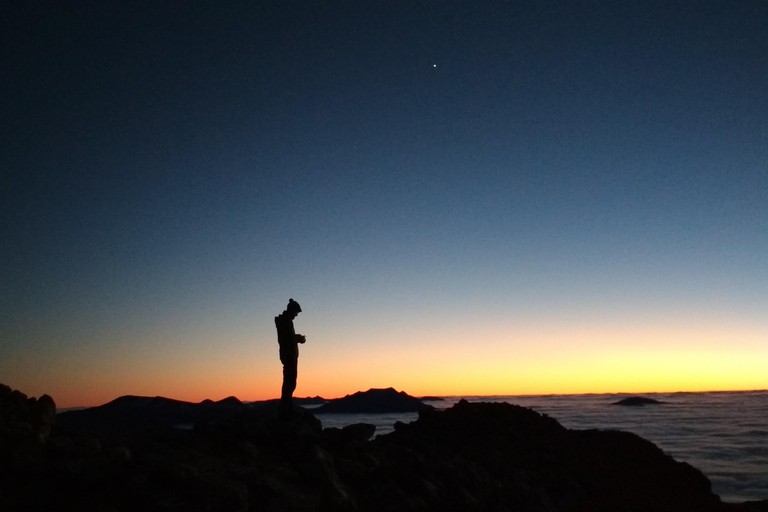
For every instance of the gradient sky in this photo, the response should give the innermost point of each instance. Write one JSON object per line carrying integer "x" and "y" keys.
{"x": 466, "y": 197}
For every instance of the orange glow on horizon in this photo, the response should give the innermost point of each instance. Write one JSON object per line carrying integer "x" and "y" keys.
{"x": 531, "y": 361}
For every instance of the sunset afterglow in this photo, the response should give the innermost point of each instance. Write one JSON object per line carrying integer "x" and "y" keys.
{"x": 467, "y": 198}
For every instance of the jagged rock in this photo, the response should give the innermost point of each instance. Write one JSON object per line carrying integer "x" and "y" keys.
{"x": 355, "y": 435}
{"x": 43, "y": 415}
{"x": 334, "y": 494}
{"x": 25, "y": 424}
{"x": 374, "y": 401}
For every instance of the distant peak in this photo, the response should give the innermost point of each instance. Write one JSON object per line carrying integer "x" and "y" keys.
{"x": 230, "y": 400}
{"x": 637, "y": 400}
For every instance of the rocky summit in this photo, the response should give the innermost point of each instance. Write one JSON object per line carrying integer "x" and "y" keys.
{"x": 472, "y": 457}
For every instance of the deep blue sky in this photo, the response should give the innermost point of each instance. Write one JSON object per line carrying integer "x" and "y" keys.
{"x": 173, "y": 172}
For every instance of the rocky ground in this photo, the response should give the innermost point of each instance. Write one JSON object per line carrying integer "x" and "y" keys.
{"x": 484, "y": 457}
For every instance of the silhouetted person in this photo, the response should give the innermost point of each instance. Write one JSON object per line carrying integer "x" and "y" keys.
{"x": 289, "y": 354}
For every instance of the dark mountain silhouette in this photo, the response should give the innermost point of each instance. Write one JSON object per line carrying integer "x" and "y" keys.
{"x": 302, "y": 402}
{"x": 374, "y": 401}
{"x": 314, "y": 400}
{"x": 130, "y": 411}
{"x": 635, "y": 401}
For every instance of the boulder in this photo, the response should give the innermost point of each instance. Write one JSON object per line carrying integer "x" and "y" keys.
{"x": 487, "y": 456}
{"x": 25, "y": 426}
{"x": 24, "y": 419}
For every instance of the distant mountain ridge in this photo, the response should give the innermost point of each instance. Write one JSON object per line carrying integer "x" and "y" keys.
{"x": 636, "y": 401}
{"x": 131, "y": 411}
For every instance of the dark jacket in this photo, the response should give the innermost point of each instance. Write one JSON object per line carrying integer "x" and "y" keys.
{"x": 286, "y": 337}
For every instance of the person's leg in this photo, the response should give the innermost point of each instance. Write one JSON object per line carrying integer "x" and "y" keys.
{"x": 289, "y": 386}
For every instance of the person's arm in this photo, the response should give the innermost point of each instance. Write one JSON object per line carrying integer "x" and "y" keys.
{"x": 300, "y": 338}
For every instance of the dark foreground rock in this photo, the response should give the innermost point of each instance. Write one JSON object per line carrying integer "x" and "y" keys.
{"x": 491, "y": 456}
{"x": 374, "y": 401}
{"x": 25, "y": 424}
{"x": 483, "y": 457}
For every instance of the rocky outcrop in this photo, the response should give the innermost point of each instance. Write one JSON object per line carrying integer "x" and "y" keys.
{"x": 485, "y": 456}
{"x": 25, "y": 424}
{"x": 374, "y": 401}
{"x": 482, "y": 457}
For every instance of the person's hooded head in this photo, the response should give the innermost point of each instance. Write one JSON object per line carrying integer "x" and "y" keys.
{"x": 293, "y": 307}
